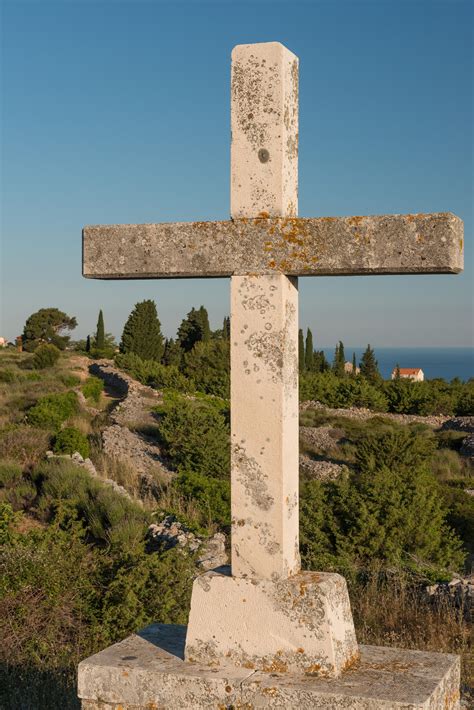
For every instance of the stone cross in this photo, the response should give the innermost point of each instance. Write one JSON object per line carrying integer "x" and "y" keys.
{"x": 263, "y": 615}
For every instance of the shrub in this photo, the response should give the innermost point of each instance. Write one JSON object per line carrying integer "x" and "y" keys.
{"x": 208, "y": 366}
{"x": 388, "y": 511}
{"x": 335, "y": 391}
{"x": 46, "y": 355}
{"x": 211, "y": 495}
{"x": 70, "y": 440}
{"x": 93, "y": 388}
{"x": 15, "y": 488}
{"x": 68, "y": 379}
{"x": 51, "y": 411}
{"x": 195, "y": 435}
{"x": 152, "y": 373}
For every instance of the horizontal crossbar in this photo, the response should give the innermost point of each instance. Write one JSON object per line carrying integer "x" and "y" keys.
{"x": 296, "y": 246}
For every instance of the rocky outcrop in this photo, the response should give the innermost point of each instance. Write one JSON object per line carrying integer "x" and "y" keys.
{"x": 170, "y": 533}
{"x": 459, "y": 592}
{"x": 320, "y": 469}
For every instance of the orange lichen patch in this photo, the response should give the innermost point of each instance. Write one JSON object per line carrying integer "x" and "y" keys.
{"x": 300, "y": 650}
{"x": 352, "y": 661}
{"x": 270, "y": 691}
{"x": 247, "y": 664}
{"x": 228, "y": 689}
{"x": 276, "y": 666}
{"x": 355, "y": 221}
{"x": 451, "y": 699}
{"x": 461, "y": 244}
{"x": 263, "y": 215}
{"x": 328, "y": 219}
{"x": 125, "y": 673}
{"x": 303, "y": 587}
{"x": 313, "y": 669}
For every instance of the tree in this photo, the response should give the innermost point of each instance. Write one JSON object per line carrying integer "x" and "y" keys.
{"x": 142, "y": 332}
{"x": 194, "y": 328}
{"x": 172, "y": 354}
{"x": 369, "y": 367}
{"x": 226, "y": 328}
{"x": 339, "y": 360}
{"x": 100, "y": 332}
{"x": 208, "y": 365}
{"x": 320, "y": 364}
{"x": 88, "y": 344}
{"x": 45, "y": 326}
{"x": 354, "y": 365}
{"x": 308, "y": 355}
{"x": 301, "y": 351}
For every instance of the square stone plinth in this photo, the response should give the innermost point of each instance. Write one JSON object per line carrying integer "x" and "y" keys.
{"x": 301, "y": 624}
{"x": 147, "y": 672}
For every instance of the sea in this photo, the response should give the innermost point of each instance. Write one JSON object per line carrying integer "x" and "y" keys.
{"x": 447, "y": 363}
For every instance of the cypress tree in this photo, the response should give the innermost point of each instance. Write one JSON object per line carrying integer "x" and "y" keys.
{"x": 172, "y": 354}
{"x": 203, "y": 319}
{"x": 354, "y": 364}
{"x": 339, "y": 360}
{"x": 301, "y": 351}
{"x": 226, "y": 328}
{"x": 100, "y": 332}
{"x": 308, "y": 356}
{"x": 88, "y": 344}
{"x": 142, "y": 332}
{"x": 369, "y": 366}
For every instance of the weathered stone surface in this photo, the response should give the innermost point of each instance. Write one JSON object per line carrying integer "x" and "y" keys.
{"x": 147, "y": 671}
{"x": 264, "y": 123}
{"x": 386, "y": 244}
{"x": 303, "y": 623}
{"x": 170, "y": 533}
{"x": 264, "y": 445}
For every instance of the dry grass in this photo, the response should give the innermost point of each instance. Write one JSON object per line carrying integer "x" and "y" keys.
{"x": 25, "y": 444}
{"x": 394, "y": 613}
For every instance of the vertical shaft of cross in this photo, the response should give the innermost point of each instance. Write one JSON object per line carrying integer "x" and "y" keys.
{"x": 264, "y": 319}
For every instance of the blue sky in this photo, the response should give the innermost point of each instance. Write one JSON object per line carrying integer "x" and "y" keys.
{"x": 119, "y": 112}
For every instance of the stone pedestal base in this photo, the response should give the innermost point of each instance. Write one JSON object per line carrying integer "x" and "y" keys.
{"x": 300, "y": 624}
{"x": 147, "y": 671}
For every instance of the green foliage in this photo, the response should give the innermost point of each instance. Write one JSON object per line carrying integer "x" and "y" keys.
{"x": 208, "y": 366}
{"x": 142, "y": 332}
{"x": 70, "y": 440}
{"x": 100, "y": 332}
{"x": 152, "y": 373}
{"x": 173, "y": 353}
{"x": 308, "y": 353}
{"x": 92, "y": 389}
{"x": 45, "y": 356}
{"x": 339, "y": 360}
{"x": 45, "y": 326}
{"x": 68, "y": 379}
{"x": 51, "y": 411}
{"x": 369, "y": 367}
{"x": 194, "y": 434}
{"x": 7, "y": 375}
{"x": 301, "y": 351}
{"x": 107, "y": 516}
{"x": 194, "y": 328}
{"x": 387, "y": 511}
{"x": 211, "y": 495}
{"x": 16, "y": 489}
{"x": 333, "y": 391}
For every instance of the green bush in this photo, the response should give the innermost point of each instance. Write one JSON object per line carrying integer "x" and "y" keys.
{"x": 93, "y": 388}
{"x": 46, "y": 355}
{"x": 69, "y": 379}
{"x": 337, "y": 392}
{"x": 194, "y": 434}
{"x": 211, "y": 495}
{"x": 389, "y": 511}
{"x": 69, "y": 440}
{"x": 152, "y": 373}
{"x": 15, "y": 488}
{"x": 208, "y": 366}
{"x": 51, "y": 411}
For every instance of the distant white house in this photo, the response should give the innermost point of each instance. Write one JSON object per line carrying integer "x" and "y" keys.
{"x": 409, "y": 373}
{"x": 348, "y": 367}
